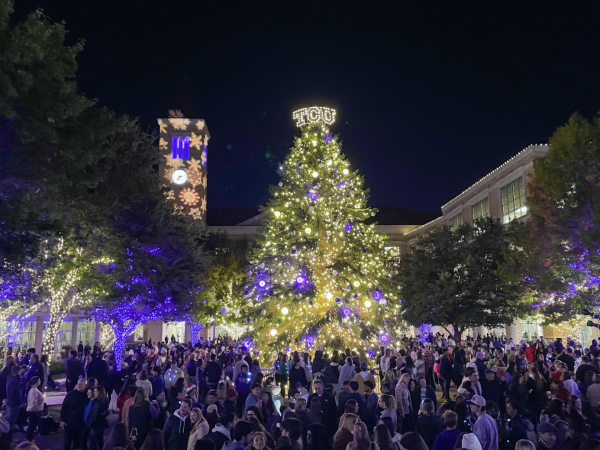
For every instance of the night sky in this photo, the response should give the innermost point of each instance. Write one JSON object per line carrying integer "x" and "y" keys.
{"x": 430, "y": 96}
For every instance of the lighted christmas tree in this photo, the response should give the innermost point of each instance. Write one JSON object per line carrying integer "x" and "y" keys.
{"x": 320, "y": 276}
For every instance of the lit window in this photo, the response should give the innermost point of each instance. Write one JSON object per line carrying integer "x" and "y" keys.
{"x": 180, "y": 147}
{"x": 456, "y": 221}
{"x": 481, "y": 209}
{"x": 513, "y": 200}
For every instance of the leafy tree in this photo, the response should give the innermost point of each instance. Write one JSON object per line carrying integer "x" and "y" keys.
{"x": 159, "y": 256}
{"x": 463, "y": 278}
{"x": 221, "y": 300}
{"x": 51, "y": 136}
{"x": 562, "y": 239}
{"x": 320, "y": 276}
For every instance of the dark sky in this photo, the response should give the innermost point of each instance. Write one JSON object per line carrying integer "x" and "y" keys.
{"x": 430, "y": 95}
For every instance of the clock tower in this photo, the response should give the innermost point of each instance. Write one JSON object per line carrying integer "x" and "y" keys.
{"x": 182, "y": 163}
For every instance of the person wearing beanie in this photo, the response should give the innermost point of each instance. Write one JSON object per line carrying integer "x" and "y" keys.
{"x": 546, "y": 436}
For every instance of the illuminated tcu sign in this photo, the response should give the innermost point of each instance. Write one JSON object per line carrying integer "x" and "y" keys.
{"x": 314, "y": 114}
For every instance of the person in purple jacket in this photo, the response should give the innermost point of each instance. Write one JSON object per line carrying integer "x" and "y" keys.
{"x": 447, "y": 438}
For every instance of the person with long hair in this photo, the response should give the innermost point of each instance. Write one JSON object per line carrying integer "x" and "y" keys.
{"x": 259, "y": 442}
{"x": 537, "y": 387}
{"x": 404, "y": 403}
{"x": 270, "y": 414}
{"x": 317, "y": 437}
{"x": 96, "y": 419}
{"x": 35, "y": 405}
{"x": 388, "y": 404}
{"x": 118, "y": 438}
{"x": 258, "y": 427}
{"x": 361, "y": 439}
{"x": 412, "y": 441}
{"x": 344, "y": 434}
{"x": 315, "y": 413}
{"x": 200, "y": 427}
{"x": 154, "y": 440}
{"x": 383, "y": 439}
{"x": 140, "y": 417}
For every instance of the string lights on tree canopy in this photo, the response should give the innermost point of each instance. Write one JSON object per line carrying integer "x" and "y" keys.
{"x": 320, "y": 276}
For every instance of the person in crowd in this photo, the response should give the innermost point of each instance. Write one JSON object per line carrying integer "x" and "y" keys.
{"x": 241, "y": 434}
{"x": 317, "y": 437}
{"x": 35, "y": 405}
{"x": 446, "y": 371}
{"x": 96, "y": 419}
{"x": 328, "y": 405}
{"x": 155, "y": 440}
{"x": 71, "y": 415}
{"x": 221, "y": 433}
{"x": 404, "y": 403}
{"x": 212, "y": 372}
{"x": 140, "y": 417}
{"x": 13, "y": 395}
{"x": 448, "y": 437}
{"x": 546, "y": 436}
{"x": 592, "y": 393}
{"x": 485, "y": 427}
{"x": 412, "y": 441}
{"x": 177, "y": 428}
{"x": 429, "y": 425}
{"x": 360, "y": 438}
{"x": 144, "y": 383}
{"x": 345, "y": 434}
{"x": 371, "y": 401}
{"x": 158, "y": 382}
{"x": 74, "y": 370}
{"x": 172, "y": 375}
{"x": 517, "y": 424}
{"x": 200, "y": 427}
{"x": 292, "y": 428}
{"x": 254, "y": 396}
{"x": 119, "y": 438}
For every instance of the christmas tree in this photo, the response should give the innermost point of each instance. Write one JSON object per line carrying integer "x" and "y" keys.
{"x": 320, "y": 276}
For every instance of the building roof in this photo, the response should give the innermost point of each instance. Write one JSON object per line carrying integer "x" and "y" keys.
{"x": 249, "y": 216}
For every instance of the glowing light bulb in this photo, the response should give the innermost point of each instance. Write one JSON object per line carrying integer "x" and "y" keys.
{"x": 273, "y": 332}
{"x": 314, "y": 143}
{"x": 356, "y": 283}
{"x": 315, "y": 174}
{"x": 345, "y": 171}
{"x": 284, "y": 311}
{"x": 367, "y": 304}
{"x": 307, "y": 230}
{"x": 329, "y": 296}
{"x": 277, "y": 213}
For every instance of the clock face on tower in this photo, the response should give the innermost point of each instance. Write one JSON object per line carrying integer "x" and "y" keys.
{"x": 182, "y": 163}
{"x": 179, "y": 176}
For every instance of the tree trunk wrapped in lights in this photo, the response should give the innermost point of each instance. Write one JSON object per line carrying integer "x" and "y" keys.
{"x": 125, "y": 317}
{"x": 321, "y": 276}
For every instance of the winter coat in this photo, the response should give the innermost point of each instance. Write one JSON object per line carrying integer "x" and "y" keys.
{"x": 203, "y": 430}
{"x": 72, "y": 408}
{"x": 13, "y": 393}
{"x": 212, "y": 372}
{"x": 97, "y": 417}
{"x": 177, "y": 432}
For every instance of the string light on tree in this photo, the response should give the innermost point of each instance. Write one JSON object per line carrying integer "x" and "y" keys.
{"x": 317, "y": 260}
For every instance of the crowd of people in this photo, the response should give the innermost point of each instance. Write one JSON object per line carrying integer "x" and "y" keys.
{"x": 167, "y": 395}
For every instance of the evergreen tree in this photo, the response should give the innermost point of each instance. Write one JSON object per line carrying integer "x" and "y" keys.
{"x": 320, "y": 276}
